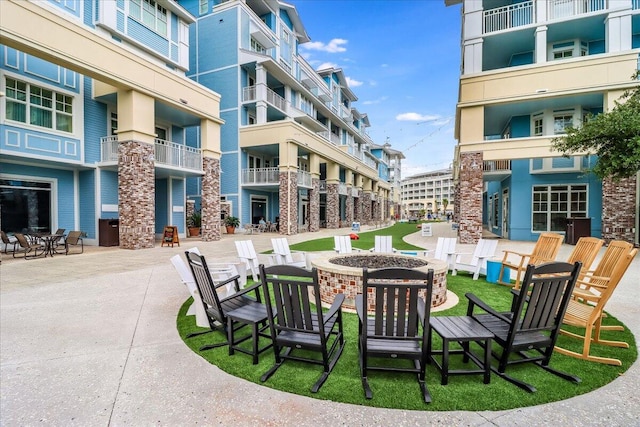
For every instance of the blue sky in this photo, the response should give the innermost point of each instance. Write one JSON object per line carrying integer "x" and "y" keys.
{"x": 402, "y": 59}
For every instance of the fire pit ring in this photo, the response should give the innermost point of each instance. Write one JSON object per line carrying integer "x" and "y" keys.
{"x": 342, "y": 274}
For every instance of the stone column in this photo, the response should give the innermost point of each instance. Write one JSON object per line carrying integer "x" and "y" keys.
{"x": 210, "y": 142}
{"x": 288, "y": 202}
{"x": 136, "y": 170}
{"x": 333, "y": 205}
{"x": 365, "y": 203}
{"x": 349, "y": 205}
{"x": 314, "y": 204}
{"x": 470, "y": 197}
{"x": 619, "y": 209}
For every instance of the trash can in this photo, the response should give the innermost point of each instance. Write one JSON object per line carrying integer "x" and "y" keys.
{"x": 109, "y": 232}
{"x": 493, "y": 271}
{"x": 577, "y": 228}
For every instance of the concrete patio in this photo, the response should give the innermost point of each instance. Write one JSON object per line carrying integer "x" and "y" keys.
{"x": 90, "y": 340}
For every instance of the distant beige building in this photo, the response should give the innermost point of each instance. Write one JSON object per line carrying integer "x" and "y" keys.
{"x": 428, "y": 192}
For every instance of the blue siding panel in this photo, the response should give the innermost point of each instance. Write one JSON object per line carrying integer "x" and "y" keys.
{"x": 87, "y": 192}
{"x": 162, "y": 208}
{"x": 216, "y": 40}
{"x": 147, "y": 37}
{"x": 520, "y": 127}
{"x": 177, "y": 196}
{"x": 95, "y": 116}
{"x": 229, "y": 133}
{"x": 229, "y": 166}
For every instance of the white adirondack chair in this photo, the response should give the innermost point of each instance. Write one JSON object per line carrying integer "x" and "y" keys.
{"x": 485, "y": 249}
{"x": 247, "y": 254}
{"x": 445, "y": 249}
{"x": 282, "y": 255}
{"x": 383, "y": 244}
{"x": 342, "y": 245}
{"x": 187, "y": 279}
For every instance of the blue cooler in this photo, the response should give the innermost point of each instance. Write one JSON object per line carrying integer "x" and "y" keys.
{"x": 493, "y": 271}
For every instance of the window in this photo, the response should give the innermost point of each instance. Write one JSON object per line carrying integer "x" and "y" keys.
{"x": 257, "y": 47}
{"x": 25, "y": 205}
{"x": 553, "y": 204}
{"x": 43, "y": 107}
{"x": 113, "y": 123}
{"x": 562, "y": 122}
{"x": 150, "y": 14}
{"x": 203, "y": 7}
{"x": 538, "y": 126}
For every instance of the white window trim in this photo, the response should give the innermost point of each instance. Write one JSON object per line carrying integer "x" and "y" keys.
{"x": 586, "y": 212}
{"x": 54, "y": 192}
{"x": 76, "y": 115}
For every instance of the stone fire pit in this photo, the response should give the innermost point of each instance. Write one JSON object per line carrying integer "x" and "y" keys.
{"x": 343, "y": 274}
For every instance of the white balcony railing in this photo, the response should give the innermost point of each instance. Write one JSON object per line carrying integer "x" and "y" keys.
{"x": 304, "y": 179}
{"x": 269, "y": 176}
{"x": 166, "y": 153}
{"x": 178, "y": 155}
{"x": 514, "y": 15}
{"x": 109, "y": 148}
{"x": 567, "y": 8}
{"x": 496, "y": 165}
{"x": 276, "y": 100}
{"x": 250, "y": 94}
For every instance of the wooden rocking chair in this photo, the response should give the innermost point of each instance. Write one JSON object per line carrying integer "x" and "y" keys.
{"x": 591, "y": 295}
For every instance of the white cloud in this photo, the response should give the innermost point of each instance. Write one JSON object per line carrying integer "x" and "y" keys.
{"x": 334, "y": 46}
{"x": 416, "y": 117}
{"x": 375, "y": 101}
{"x": 384, "y": 65}
{"x": 326, "y": 65}
{"x": 353, "y": 83}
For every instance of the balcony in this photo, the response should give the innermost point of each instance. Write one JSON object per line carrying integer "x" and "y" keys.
{"x": 558, "y": 9}
{"x": 166, "y": 153}
{"x": 304, "y": 179}
{"x": 250, "y": 94}
{"x": 261, "y": 176}
{"x": 524, "y": 13}
{"x": 506, "y": 17}
{"x": 496, "y": 170}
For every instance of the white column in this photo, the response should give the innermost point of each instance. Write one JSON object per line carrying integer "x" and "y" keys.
{"x": 261, "y": 94}
{"x": 541, "y": 45}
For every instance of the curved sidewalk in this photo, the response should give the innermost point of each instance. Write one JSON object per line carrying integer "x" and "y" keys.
{"x": 90, "y": 340}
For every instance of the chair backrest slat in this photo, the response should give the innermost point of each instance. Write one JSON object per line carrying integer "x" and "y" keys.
{"x": 546, "y": 248}
{"x": 396, "y": 292}
{"x": 383, "y": 244}
{"x": 544, "y": 296}
{"x": 291, "y": 287}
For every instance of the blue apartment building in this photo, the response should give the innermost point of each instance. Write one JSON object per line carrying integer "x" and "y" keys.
{"x": 140, "y": 111}
{"x": 529, "y": 70}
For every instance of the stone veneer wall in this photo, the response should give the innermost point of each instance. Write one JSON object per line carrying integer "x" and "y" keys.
{"x": 365, "y": 213}
{"x": 470, "y": 224}
{"x": 333, "y": 206}
{"x": 377, "y": 211}
{"x": 619, "y": 206}
{"x": 210, "y": 230}
{"x": 136, "y": 195}
{"x": 190, "y": 208}
{"x": 288, "y": 205}
{"x": 314, "y": 205}
{"x": 349, "y": 207}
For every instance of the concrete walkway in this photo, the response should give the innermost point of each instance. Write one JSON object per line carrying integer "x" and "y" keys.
{"x": 90, "y": 340}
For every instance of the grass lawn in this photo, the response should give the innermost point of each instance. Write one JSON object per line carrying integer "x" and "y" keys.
{"x": 401, "y": 391}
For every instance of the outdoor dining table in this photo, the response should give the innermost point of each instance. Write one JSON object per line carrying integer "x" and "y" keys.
{"x": 49, "y": 241}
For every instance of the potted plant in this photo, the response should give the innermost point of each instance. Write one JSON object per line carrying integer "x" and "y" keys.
{"x": 194, "y": 222}
{"x": 231, "y": 222}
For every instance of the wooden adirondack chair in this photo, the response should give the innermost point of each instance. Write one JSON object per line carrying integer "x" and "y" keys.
{"x": 342, "y": 245}
{"x": 445, "y": 250}
{"x": 282, "y": 254}
{"x": 545, "y": 250}
{"x": 485, "y": 249}
{"x": 383, "y": 244}
{"x": 591, "y": 295}
{"x": 247, "y": 254}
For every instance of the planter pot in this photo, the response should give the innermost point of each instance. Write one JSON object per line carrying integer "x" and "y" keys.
{"x": 194, "y": 231}
{"x": 231, "y": 229}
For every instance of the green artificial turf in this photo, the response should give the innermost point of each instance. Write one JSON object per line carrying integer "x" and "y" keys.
{"x": 401, "y": 390}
